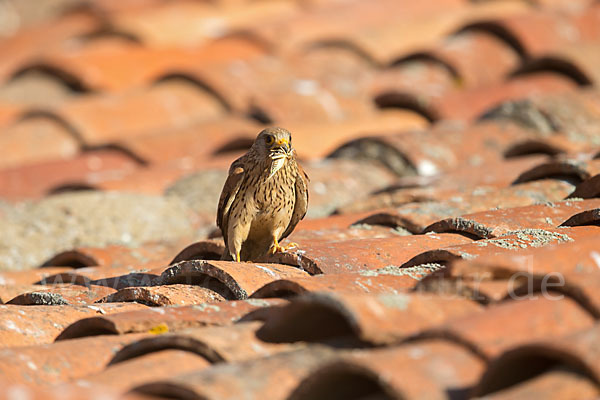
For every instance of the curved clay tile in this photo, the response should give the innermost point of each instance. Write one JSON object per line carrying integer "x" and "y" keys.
{"x": 150, "y": 255}
{"x": 440, "y": 149}
{"x": 376, "y": 319}
{"x": 577, "y": 170}
{"x": 237, "y": 342}
{"x": 63, "y": 295}
{"x": 37, "y": 138}
{"x": 114, "y": 65}
{"x": 273, "y": 377}
{"x": 229, "y": 279}
{"x": 144, "y": 369}
{"x": 168, "y": 319}
{"x": 512, "y": 323}
{"x": 48, "y": 321}
{"x": 493, "y": 223}
{"x": 354, "y": 255}
{"x": 573, "y": 114}
{"x": 588, "y": 188}
{"x": 53, "y": 363}
{"x": 203, "y": 250}
{"x": 106, "y": 118}
{"x": 166, "y": 295}
{"x": 559, "y": 382}
{"x": 393, "y": 373}
{"x": 384, "y": 281}
{"x": 575, "y": 351}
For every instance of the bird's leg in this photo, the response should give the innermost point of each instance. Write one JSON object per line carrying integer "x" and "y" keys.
{"x": 282, "y": 249}
{"x": 237, "y": 256}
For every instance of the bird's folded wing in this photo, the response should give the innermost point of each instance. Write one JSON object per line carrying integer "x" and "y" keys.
{"x": 301, "y": 204}
{"x": 230, "y": 190}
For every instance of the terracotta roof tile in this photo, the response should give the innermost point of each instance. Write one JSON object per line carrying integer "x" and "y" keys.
{"x": 416, "y": 206}
{"x": 228, "y": 134}
{"x": 440, "y": 149}
{"x": 353, "y": 232}
{"x": 27, "y": 44}
{"x": 588, "y": 188}
{"x": 356, "y": 255}
{"x": 470, "y": 103}
{"x": 489, "y": 224}
{"x": 309, "y": 135}
{"x": 157, "y": 178}
{"x": 63, "y": 392}
{"x": 419, "y": 370}
{"x": 426, "y": 216}
{"x": 9, "y": 292}
{"x": 528, "y": 321}
{"x": 93, "y": 64}
{"x": 230, "y": 279}
{"x": 576, "y": 170}
{"x": 41, "y": 178}
{"x": 418, "y": 74}
{"x": 203, "y": 250}
{"x": 462, "y": 181}
{"x": 577, "y": 351}
{"x": 62, "y": 361}
{"x": 513, "y": 243}
{"x": 29, "y": 277}
{"x": 165, "y": 295}
{"x": 273, "y": 91}
{"x": 171, "y": 319}
{"x": 566, "y": 268}
{"x": 148, "y": 368}
{"x": 215, "y": 343}
{"x": 116, "y": 278}
{"x": 351, "y": 283}
{"x": 560, "y": 146}
{"x": 62, "y": 294}
{"x": 558, "y": 383}
{"x": 47, "y": 321}
{"x": 178, "y": 23}
{"x": 558, "y": 257}
{"x": 336, "y": 182}
{"x": 544, "y": 30}
{"x": 273, "y": 377}
{"x": 106, "y": 118}
{"x": 453, "y": 151}
{"x": 386, "y": 42}
{"x": 376, "y": 319}
{"x": 150, "y": 255}
{"x": 8, "y": 113}
{"x": 35, "y": 139}
{"x": 466, "y": 51}
{"x": 343, "y": 221}
{"x": 587, "y": 217}
{"x": 574, "y": 113}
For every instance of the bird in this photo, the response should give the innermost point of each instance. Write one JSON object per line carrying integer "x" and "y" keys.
{"x": 264, "y": 197}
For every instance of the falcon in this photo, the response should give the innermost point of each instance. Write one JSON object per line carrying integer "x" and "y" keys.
{"x": 263, "y": 199}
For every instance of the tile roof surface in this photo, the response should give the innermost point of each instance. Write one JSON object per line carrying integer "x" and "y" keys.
{"x": 450, "y": 249}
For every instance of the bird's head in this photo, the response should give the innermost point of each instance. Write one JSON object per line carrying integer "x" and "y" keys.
{"x": 276, "y": 144}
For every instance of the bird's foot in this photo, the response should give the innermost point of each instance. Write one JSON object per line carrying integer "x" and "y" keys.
{"x": 282, "y": 249}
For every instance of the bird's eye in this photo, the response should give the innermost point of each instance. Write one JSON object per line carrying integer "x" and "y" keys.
{"x": 270, "y": 140}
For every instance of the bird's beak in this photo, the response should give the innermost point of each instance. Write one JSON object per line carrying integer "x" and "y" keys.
{"x": 282, "y": 146}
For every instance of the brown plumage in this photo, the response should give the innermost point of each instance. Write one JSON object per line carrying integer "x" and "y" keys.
{"x": 263, "y": 199}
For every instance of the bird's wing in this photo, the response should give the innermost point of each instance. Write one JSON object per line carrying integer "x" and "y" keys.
{"x": 301, "y": 204}
{"x": 230, "y": 190}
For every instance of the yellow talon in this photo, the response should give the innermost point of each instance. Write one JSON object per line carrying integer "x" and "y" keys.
{"x": 237, "y": 257}
{"x": 281, "y": 249}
